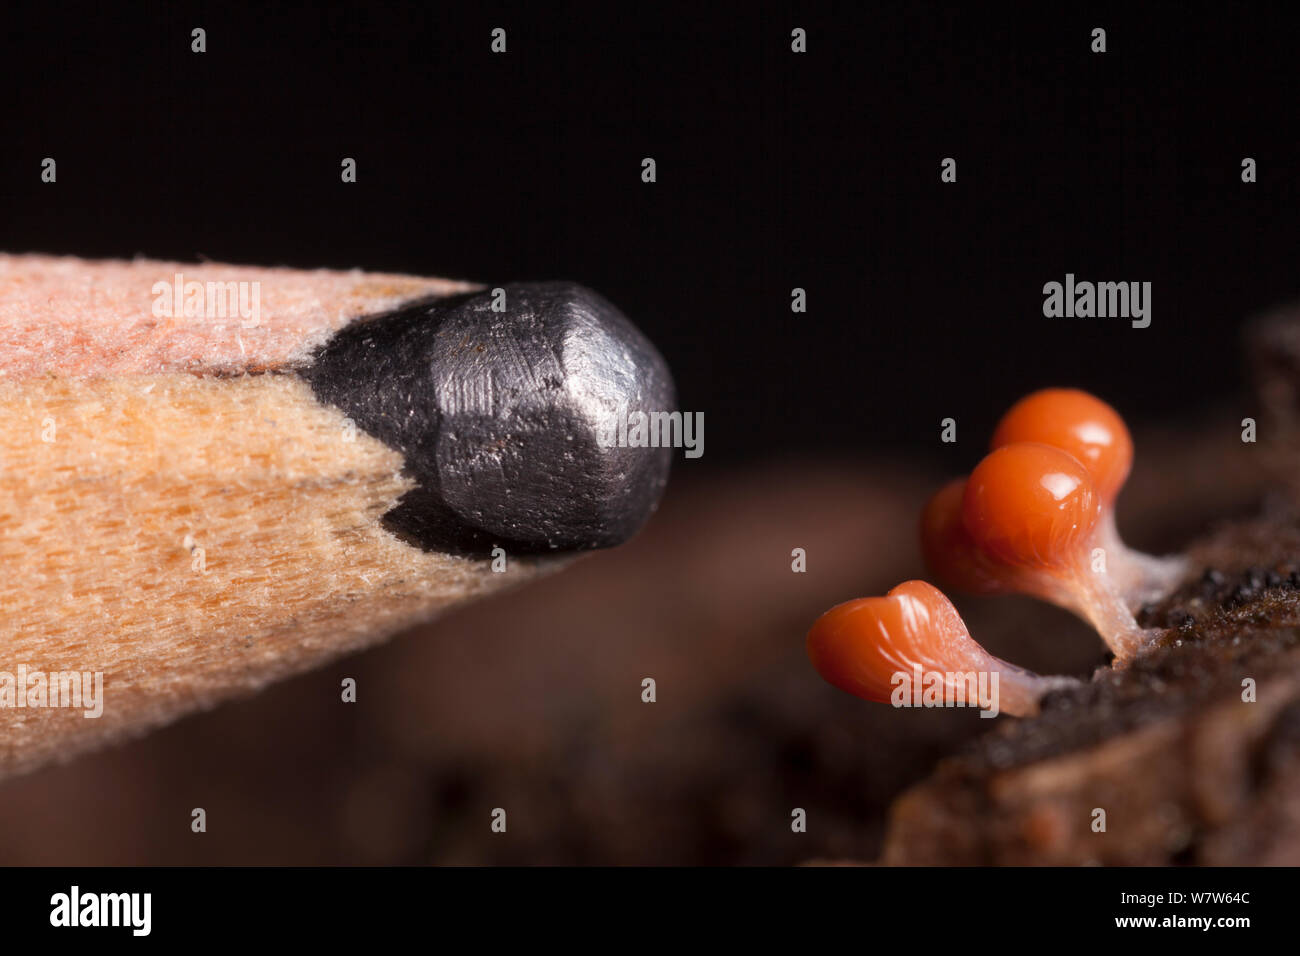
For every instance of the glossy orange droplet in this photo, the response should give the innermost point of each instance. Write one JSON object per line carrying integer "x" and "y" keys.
{"x": 1032, "y": 505}
{"x": 951, "y": 553}
{"x": 1078, "y": 423}
{"x": 859, "y": 646}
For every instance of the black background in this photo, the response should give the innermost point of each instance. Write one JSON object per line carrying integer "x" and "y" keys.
{"x": 334, "y": 907}
{"x": 775, "y": 170}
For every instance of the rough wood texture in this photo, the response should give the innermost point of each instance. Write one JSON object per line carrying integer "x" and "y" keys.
{"x": 1183, "y": 768}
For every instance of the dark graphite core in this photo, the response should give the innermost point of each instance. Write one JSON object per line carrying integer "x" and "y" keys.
{"x": 501, "y": 415}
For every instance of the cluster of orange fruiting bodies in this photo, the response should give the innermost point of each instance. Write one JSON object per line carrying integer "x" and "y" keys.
{"x": 1036, "y": 516}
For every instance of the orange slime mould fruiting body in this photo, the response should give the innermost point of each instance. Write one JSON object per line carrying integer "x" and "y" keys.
{"x": 1094, "y": 433}
{"x": 1035, "y": 507}
{"x": 863, "y": 646}
{"x": 953, "y": 556}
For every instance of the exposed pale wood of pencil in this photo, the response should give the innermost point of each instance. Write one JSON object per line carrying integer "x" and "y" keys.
{"x": 100, "y": 317}
{"x": 191, "y": 536}
{"x": 101, "y": 530}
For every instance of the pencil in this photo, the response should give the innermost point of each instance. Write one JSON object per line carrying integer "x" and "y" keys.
{"x": 213, "y": 476}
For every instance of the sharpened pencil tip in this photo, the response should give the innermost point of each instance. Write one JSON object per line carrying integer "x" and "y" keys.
{"x": 505, "y": 404}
